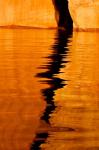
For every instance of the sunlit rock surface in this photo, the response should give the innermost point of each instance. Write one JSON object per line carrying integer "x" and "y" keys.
{"x": 35, "y": 13}
{"x": 85, "y": 13}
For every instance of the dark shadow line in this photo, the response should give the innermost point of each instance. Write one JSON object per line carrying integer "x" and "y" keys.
{"x": 55, "y": 63}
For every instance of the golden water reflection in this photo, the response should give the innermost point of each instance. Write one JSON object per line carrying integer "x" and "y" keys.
{"x": 21, "y": 103}
{"x": 49, "y": 90}
{"x": 74, "y": 124}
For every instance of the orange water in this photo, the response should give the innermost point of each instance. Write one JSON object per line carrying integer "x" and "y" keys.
{"x": 49, "y": 90}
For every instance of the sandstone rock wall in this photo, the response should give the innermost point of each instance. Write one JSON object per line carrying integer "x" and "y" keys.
{"x": 85, "y": 14}
{"x": 41, "y": 13}
{"x": 37, "y": 13}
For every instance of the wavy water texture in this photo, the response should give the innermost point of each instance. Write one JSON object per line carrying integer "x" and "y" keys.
{"x": 21, "y": 102}
{"x": 74, "y": 124}
{"x": 49, "y": 90}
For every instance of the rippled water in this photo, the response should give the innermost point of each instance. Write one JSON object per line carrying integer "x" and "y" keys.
{"x": 49, "y": 90}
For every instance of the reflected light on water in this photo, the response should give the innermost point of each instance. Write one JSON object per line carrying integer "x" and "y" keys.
{"x": 21, "y": 103}
{"x": 49, "y": 90}
{"x": 54, "y": 65}
{"x": 74, "y": 122}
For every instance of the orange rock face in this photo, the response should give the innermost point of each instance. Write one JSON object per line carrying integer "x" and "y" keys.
{"x": 35, "y": 13}
{"x": 85, "y": 14}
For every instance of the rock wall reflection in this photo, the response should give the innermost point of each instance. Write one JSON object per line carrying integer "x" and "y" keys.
{"x": 49, "y": 90}
{"x": 21, "y": 103}
{"x": 51, "y": 77}
{"x": 73, "y": 123}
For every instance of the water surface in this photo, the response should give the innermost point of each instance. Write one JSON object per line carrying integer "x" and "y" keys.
{"x": 49, "y": 90}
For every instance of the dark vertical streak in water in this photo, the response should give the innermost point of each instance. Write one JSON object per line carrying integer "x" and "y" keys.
{"x": 56, "y": 62}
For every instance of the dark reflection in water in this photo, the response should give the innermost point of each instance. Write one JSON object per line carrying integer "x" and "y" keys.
{"x": 21, "y": 102}
{"x": 54, "y": 65}
{"x": 55, "y": 106}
